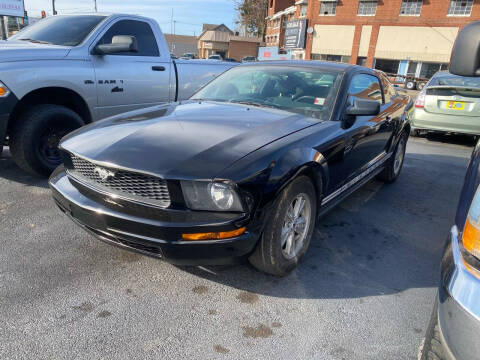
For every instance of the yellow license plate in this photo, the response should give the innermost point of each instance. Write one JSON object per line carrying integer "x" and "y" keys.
{"x": 455, "y": 105}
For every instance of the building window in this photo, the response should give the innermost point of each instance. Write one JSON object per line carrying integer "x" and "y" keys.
{"x": 411, "y": 7}
{"x": 387, "y": 66}
{"x": 460, "y": 7}
{"x": 328, "y": 57}
{"x": 328, "y": 8}
{"x": 362, "y": 61}
{"x": 303, "y": 10}
{"x": 367, "y": 8}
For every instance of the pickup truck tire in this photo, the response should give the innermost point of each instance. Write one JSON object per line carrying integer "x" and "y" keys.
{"x": 269, "y": 255}
{"x": 394, "y": 165}
{"x": 35, "y": 136}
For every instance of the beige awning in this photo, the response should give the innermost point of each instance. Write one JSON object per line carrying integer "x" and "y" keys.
{"x": 333, "y": 39}
{"x": 417, "y": 43}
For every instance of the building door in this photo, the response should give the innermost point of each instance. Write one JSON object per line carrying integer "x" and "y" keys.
{"x": 412, "y": 68}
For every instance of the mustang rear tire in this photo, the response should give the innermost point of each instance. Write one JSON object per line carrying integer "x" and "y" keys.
{"x": 288, "y": 229}
{"x": 35, "y": 137}
{"x": 394, "y": 165}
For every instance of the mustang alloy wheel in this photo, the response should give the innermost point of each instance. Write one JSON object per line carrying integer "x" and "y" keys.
{"x": 399, "y": 155}
{"x": 295, "y": 226}
{"x": 394, "y": 165}
{"x": 288, "y": 229}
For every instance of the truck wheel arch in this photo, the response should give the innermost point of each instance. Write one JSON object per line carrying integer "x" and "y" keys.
{"x": 55, "y": 96}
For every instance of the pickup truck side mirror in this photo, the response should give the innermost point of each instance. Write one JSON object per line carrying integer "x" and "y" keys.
{"x": 120, "y": 44}
{"x": 465, "y": 59}
{"x": 362, "y": 107}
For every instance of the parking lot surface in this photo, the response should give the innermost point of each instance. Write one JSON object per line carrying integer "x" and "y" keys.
{"x": 364, "y": 291}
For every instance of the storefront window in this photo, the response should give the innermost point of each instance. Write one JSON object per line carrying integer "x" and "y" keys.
{"x": 329, "y": 57}
{"x": 428, "y": 69}
{"x": 362, "y": 61}
{"x": 412, "y": 68}
{"x": 387, "y": 66}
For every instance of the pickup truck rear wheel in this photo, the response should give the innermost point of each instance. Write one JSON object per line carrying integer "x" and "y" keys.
{"x": 35, "y": 137}
{"x": 288, "y": 230}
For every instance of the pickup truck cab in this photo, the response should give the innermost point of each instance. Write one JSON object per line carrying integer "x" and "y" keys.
{"x": 67, "y": 71}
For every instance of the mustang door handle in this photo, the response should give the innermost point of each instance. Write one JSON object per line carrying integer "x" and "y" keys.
{"x": 158, "y": 68}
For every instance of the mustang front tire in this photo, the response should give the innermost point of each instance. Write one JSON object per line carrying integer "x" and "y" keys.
{"x": 288, "y": 229}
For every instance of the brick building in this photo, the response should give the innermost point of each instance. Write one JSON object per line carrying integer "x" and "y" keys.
{"x": 279, "y": 13}
{"x": 399, "y": 36}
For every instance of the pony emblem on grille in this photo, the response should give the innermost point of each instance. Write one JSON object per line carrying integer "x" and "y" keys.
{"x": 103, "y": 174}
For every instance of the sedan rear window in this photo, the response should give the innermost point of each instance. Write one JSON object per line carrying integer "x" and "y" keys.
{"x": 447, "y": 79}
{"x": 301, "y": 90}
{"x": 60, "y": 30}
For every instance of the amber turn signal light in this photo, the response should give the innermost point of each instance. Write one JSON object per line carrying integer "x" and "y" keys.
{"x": 471, "y": 238}
{"x": 3, "y": 91}
{"x": 214, "y": 235}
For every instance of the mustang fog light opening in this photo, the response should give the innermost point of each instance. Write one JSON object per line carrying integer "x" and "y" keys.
{"x": 214, "y": 235}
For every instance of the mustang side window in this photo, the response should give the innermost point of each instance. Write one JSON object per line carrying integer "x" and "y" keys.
{"x": 367, "y": 87}
{"x": 147, "y": 43}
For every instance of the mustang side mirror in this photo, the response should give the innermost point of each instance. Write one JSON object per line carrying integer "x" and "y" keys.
{"x": 120, "y": 44}
{"x": 465, "y": 59}
{"x": 363, "y": 107}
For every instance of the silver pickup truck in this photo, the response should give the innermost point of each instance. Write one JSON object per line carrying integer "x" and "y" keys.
{"x": 67, "y": 71}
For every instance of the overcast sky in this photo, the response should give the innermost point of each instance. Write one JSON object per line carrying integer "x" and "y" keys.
{"x": 189, "y": 14}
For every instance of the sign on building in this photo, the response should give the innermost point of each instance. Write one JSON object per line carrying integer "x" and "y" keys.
{"x": 12, "y": 8}
{"x": 295, "y": 34}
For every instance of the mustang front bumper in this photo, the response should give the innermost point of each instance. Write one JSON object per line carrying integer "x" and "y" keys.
{"x": 158, "y": 236}
{"x": 459, "y": 304}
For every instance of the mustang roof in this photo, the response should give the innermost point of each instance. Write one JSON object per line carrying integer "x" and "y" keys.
{"x": 327, "y": 65}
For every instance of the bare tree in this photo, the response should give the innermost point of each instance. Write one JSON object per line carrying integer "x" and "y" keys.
{"x": 252, "y": 14}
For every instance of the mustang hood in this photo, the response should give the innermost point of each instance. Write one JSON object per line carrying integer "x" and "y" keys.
{"x": 193, "y": 140}
{"x": 24, "y": 50}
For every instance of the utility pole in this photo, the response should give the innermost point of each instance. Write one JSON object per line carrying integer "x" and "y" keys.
{"x": 53, "y": 7}
{"x": 95, "y": 1}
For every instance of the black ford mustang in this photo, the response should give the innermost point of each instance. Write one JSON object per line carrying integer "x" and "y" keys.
{"x": 242, "y": 169}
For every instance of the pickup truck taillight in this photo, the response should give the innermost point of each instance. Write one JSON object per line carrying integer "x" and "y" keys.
{"x": 420, "y": 102}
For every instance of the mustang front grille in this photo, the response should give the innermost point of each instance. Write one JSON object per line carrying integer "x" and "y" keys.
{"x": 128, "y": 184}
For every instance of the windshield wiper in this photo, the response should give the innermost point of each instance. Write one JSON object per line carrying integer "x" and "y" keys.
{"x": 253, "y": 103}
{"x": 36, "y": 41}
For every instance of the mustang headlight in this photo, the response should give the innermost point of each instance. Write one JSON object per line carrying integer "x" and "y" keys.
{"x": 4, "y": 92}
{"x": 213, "y": 196}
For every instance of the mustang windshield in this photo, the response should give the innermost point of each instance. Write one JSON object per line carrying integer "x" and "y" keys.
{"x": 302, "y": 90}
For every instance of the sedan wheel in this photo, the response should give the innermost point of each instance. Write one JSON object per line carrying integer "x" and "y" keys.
{"x": 288, "y": 229}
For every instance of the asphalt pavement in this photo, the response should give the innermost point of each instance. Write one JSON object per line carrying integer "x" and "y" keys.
{"x": 364, "y": 291}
